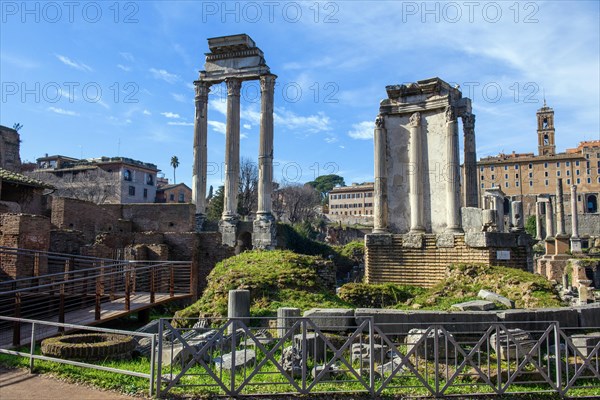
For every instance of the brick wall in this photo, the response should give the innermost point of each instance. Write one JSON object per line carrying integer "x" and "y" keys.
{"x": 26, "y": 232}
{"x": 160, "y": 217}
{"x": 388, "y": 258}
{"x": 89, "y": 218}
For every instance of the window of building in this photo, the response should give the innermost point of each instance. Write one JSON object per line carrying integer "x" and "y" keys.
{"x": 589, "y": 180}
{"x": 546, "y": 173}
{"x": 558, "y": 165}
{"x": 516, "y": 176}
{"x": 578, "y": 197}
{"x": 546, "y": 182}
{"x": 492, "y": 168}
{"x": 481, "y": 169}
{"x": 132, "y": 190}
{"x": 149, "y": 179}
{"x": 517, "y": 183}
{"x": 181, "y": 197}
{"x": 545, "y": 165}
{"x": 482, "y": 178}
{"x": 576, "y": 172}
{"x": 587, "y": 155}
{"x": 568, "y": 163}
{"x": 505, "y": 176}
{"x": 530, "y": 165}
{"x": 516, "y": 166}
{"x": 557, "y": 173}
{"x": 568, "y": 172}
{"x": 506, "y": 167}
{"x": 505, "y": 184}
{"x": 588, "y": 172}
{"x": 530, "y": 183}
{"x": 587, "y": 164}
{"x": 171, "y": 197}
{"x": 493, "y": 177}
{"x": 531, "y": 174}
{"x": 568, "y": 181}
{"x": 127, "y": 175}
{"x": 577, "y": 163}
{"x": 591, "y": 203}
{"x": 578, "y": 181}
{"x": 145, "y": 193}
{"x": 483, "y": 185}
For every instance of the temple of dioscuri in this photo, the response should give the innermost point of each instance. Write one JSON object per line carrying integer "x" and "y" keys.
{"x": 233, "y": 60}
{"x": 420, "y": 226}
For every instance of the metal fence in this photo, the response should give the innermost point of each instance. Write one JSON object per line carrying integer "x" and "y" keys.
{"x": 236, "y": 357}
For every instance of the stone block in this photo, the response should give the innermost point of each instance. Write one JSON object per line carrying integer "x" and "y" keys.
{"x": 426, "y": 348}
{"x": 491, "y": 239}
{"x": 445, "y": 240}
{"x": 585, "y": 343}
{"x": 315, "y": 346}
{"x": 475, "y": 305}
{"x": 399, "y": 322}
{"x": 331, "y": 319}
{"x": 362, "y": 352}
{"x": 538, "y": 319}
{"x": 286, "y": 318}
{"x": 412, "y": 240}
{"x": 512, "y": 343}
{"x": 589, "y": 316}
{"x": 242, "y": 358}
{"x": 491, "y": 296}
{"x": 379, "y": 239}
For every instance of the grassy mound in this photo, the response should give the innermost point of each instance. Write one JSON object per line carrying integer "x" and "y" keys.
{"x": 278, "y": 278}
{"x": 377, "y": 295}
{"x": 463, "y": 282}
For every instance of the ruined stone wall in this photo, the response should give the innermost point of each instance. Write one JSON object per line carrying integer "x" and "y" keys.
{"x": 89, "y": 218}
{"x": 26, "y": 232}
{"x": 210, "y": 252}
{"x": 421, "y": 260}
{"x": 159, "y": 217}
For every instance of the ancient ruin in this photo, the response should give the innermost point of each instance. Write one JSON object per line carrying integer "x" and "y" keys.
{"x": 419, "y": 227}
{"x": 233, "y": 60}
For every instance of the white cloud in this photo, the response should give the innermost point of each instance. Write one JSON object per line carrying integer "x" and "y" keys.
{"x": 169, "y": 114}
{"x": 124, "y": 67}
{"x": 127, "y": 56}
{"x": 362, "y": 130}
{"x": 62, "y": 111}
{"x": 179, "y": 97}
{"x": 312, "y": 124}
{"x": 146, "y": 112}
{"x": 67, "y": 61}
{"x": 164, "y": 75}
{"x": 247, "y": 126}
{"x": 103, "y": 104}
{"x": 180, "y": 123}
{"x": 331, "y": 139}
{"x": 217, "y": 126}
{"x": 243, "y": 136}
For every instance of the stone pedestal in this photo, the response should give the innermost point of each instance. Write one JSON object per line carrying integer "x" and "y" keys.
{"x": 576, "y": 246}
{"x": 550, "y": 246}
{"x": 264, "y": 233}
{"x": 561, "y": 245}
{"x": 228, "y": 229}
{"x": 286, "y": 318}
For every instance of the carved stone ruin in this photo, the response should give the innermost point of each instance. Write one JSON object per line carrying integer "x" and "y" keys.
{"x": 233, "y": 60}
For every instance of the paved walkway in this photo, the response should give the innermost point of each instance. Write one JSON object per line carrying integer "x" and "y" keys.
{"x": 18, "y": 384}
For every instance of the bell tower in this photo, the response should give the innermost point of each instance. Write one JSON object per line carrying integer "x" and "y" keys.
{"x": 545, "y": 131}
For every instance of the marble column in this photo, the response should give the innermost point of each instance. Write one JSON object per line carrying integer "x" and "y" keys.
{"x": 549, "y": 220}
{"x": 380, "y": 210}
{"x": 200, "y": 155}
{"x": 538, "y": 220}
{"x": 470, "y": 161}
{"x": 265, "y": 151}
{"x": 453, "y": 182}
{"x": 574, "y": 217}
{"x": 415, "y": 179}
{"x": 575, "y": 239}
{"x": 517, "y": 216}
{"x": 560, "y": 209}
{"x": 499, "y": 207}
{"x": 232, "y": 150}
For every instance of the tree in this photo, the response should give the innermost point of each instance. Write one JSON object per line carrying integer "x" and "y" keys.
{"x": 324, "y": 183}
{"x": 215, "y": 205}
{"x": 530, "y": 226}
{"x": 17, "y": 126}
{"x": 248, "y": 194}
{"x": 94, "y": 185}
{"x": 210, "y": 194}
{"x": 296, "y": 203}
{"x": 174, "y": 164}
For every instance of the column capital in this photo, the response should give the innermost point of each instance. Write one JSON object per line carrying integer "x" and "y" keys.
{"x": 415, "y": 119}
{"x": 267, "y": 82}
{"x": 202, "y": 89}
{"x": 468, "y": 121}
{"x": 380, "y": 122}
{"x": 233, "y": 86}
{"x": 450, "y": 114}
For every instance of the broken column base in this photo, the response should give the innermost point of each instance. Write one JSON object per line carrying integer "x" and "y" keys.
{"x": 264, "y": 235}
{"x": 576, "y": 246}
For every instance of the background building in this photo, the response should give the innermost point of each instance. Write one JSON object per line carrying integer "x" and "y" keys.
{"x": 101, "y": 180}
{"x": 175, "y": 193}
{"x": 354, "y": 200}
{"x": 525, "y": 176}
{"x": 9, "y": 149}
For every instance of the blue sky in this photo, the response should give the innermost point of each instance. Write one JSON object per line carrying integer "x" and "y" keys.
{"x": 88, "y": 79}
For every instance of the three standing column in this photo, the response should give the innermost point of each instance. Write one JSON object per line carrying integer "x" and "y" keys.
{"x": 265, "y": 152}
{"x": 415, "y": 174}
{"x": 453, "y": 183}
{"x": 380, "y": 223}
{"x": 232, "y": 146}
{"x": 200, "y": 156}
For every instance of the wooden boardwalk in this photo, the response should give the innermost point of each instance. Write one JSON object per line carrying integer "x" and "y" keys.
{"x": 109, "y": 310}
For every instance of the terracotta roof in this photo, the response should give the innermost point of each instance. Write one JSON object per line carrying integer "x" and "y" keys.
{"x": 171, "y": 186}
{"x": 20, "y": 179}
